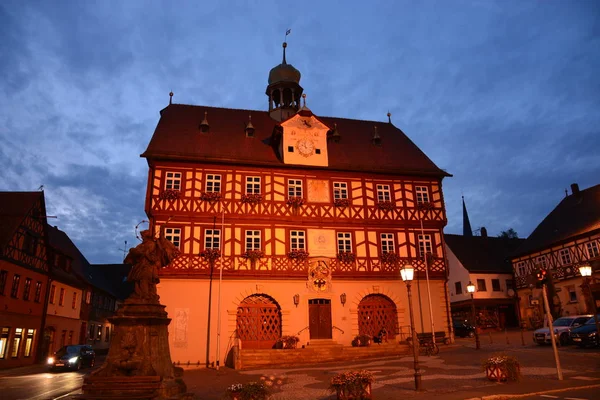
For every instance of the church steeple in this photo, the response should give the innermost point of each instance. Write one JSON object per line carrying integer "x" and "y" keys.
{"x": 284, "y": 90}
{"x": 467, "y": 231}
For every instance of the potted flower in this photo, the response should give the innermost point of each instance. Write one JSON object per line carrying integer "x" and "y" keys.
{"x": 389, "y": 258}
{"x": 210, "y": 254}
{"x": 287, "y": 342}
{"x": 386, "y": 205}
{"x": 169, "y": 194}
{"x": 253, "y": 255}
{"x": 352, "y": 385}
{"x": 298, "y": 254}
{"x": 211, "y": 196}
{"x": 252, "y": 198}
{"x": 346, "y": 256}
{"x": 341, "y": 202}
{"x": 361, "y": 340}
{"x": 248, "y": 391}
{"x": 295, "y": 201}
{"x": 501, "y": 367}
{"x": 425, "y": 206}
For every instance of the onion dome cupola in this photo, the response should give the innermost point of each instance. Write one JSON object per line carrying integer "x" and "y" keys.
{"x": 284, "y": 90}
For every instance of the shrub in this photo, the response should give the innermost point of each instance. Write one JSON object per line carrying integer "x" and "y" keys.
{"x": 361, "y": 340}
{"x": 287, "y": 342}
{"x": 352, "y": 384}
{"x": 248, "y": 391}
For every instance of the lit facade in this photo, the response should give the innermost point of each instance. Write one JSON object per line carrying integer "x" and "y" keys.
{"x": 307, "y": 220}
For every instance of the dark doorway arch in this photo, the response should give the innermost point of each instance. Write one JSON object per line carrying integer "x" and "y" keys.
{"x": 258, "y": 322}
{"x": 375, "y": 312}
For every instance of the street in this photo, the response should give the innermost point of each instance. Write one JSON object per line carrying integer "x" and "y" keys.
{"x": 454, "y": 374}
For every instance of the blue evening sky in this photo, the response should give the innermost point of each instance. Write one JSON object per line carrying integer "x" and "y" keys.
{"x": 504, "y": 95}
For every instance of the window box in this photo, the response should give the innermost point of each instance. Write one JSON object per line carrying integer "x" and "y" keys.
{"x": 352, "y": 385}
{"x": 298, "y": 254}
{"x": 295, "y": 201}
{"x": 425, "y": 206}
{"x": 211, "y": 196}
{"x": 169, "y": 194}
{"x": 386, "y": 205}
{"x": 341, "y": 202}
{"x": 346, "y": 256}
{"x": 252, "y": 198}
{"x": 389, "y": 258}
{"x": 253, "y": 255}
{"x": 210, "y": 254}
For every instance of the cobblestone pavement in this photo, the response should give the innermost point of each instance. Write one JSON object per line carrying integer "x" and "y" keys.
{"x": 455, "y": 373}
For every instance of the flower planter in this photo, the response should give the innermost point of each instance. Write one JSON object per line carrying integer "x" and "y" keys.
{"x": 496, "y": 373}
{"x": 344, "y": 393}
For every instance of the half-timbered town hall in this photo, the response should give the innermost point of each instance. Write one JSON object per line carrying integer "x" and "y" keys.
{"x": 291, "y": 223}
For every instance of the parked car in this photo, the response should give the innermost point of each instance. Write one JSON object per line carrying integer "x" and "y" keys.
{"x": 73, "y": 357}
{"x": 462, "y": 329}
{"x": 587, "y": 334}
{"x": 562, "y": 328}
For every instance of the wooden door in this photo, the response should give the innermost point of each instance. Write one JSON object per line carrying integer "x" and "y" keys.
{"x": 376, "y": 312}
{"x": 258, "y": 322}
{"x": 319, "y": 316}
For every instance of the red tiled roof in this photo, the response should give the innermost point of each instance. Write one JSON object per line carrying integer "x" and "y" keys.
{"x": 483, "y": 254}
{"x": 575, "y": 215}
{"x": 14, "y": 206}
{"x": 178, "y": 137}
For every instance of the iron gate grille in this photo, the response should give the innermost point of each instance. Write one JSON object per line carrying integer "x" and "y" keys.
{"x": 258, "y": 322}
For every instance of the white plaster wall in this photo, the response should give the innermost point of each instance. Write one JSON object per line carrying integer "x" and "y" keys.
{"x": 66, "y": 310}
{"x": 186, "y": 302}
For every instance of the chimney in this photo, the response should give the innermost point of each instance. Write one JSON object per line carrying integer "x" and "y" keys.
{"x": 483, "y": 232}
{"x": 575, "y": 189}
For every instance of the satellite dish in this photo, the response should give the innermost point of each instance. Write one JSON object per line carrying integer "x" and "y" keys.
{"x": 511, "y": 292}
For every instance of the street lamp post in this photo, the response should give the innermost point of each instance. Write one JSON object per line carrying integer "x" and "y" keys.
{"x": 586, "y": 272}
{"x": 407, "y": 273}
{"x": 471, "y": 290}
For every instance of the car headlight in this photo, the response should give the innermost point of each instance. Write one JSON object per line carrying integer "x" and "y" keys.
{"x": 592, "y": 334}
{"x": 73, "y": 360}
{"x": 50, "y": 360}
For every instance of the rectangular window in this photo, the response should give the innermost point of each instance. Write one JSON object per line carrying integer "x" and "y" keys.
{"x": 340, "y": 190}
{"x": 107, "y": 334}
{"x": 16, "y": 343}
{"x": 173, "y": 235}
{"x": 521, "y": 268}
{"x": 592, "y": 249}
{"x": 387, "y": 243}
{"x": 52, "y": 294}
{"x": 344, "y": 242}
{"x": 14, "y": 292}
{"x": 253, "y": 240}
{"x": 63, "y": 338}
{"x": 173, "y": 181}
{"x": 212, "y": 238}
{"x": 297, "y": 240}
{"x": 29, "y": 243}
{"x": 572, "y": 294}
{"x": 541, "y": 261}
{"x": 294, "y": 188}
{"x": 4, "y": 331}
{"x": 481, "y": 285}
{"x": 496, "y": 285}
{"x": 29, "y": 342}
{"x": 253, "y": 185}
{"x": 422, "y": 193}
{"x": 38, "y": 292}
{"x": 565, "y": 256}
{"x": 509, "y": 284}
{"x": 70, "y": 340}
{"x": 88, "y": 297}
{"x": 383, "y": 193}
{"x": 213, "y": 183}
{"x": 27, "y": 289}
{"x": 74, "y": 302}
{"x": 61, "y": 298}
{"x": 425, "y": 244}
{"x": 458, "y": 287}
{"x": 3, "y": 278}
{"x": 99, "y": 334}
{"x": 92, "y": 331}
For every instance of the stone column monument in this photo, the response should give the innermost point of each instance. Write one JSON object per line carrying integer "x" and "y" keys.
{"x": 138, "y": 365}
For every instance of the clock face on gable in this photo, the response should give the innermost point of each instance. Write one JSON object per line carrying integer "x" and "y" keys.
{"x": 305, "y": 147}
{"x": 304, "y": 141}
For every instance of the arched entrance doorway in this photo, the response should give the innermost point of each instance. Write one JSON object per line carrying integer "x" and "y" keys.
{"x": 375, "y": 312}
{"x": 258, "y": 322}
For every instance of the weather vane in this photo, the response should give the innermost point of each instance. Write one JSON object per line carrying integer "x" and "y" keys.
{"x": 287, "y": 33}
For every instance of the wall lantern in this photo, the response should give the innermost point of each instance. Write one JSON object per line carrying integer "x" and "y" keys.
{"x": 585, "y": 270}
{"x": 343, "y": 298}
{"x": 471, "y": 287}
{"x": 296, "y": 299}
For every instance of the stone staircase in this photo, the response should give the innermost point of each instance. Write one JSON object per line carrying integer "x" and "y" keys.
{"x": 317, "y": 351}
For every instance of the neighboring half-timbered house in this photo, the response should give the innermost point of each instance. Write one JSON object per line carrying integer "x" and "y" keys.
{"x": 23, "y": 276}
{"x": 306, "y": 218}
{"x": 566, "y": 239}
